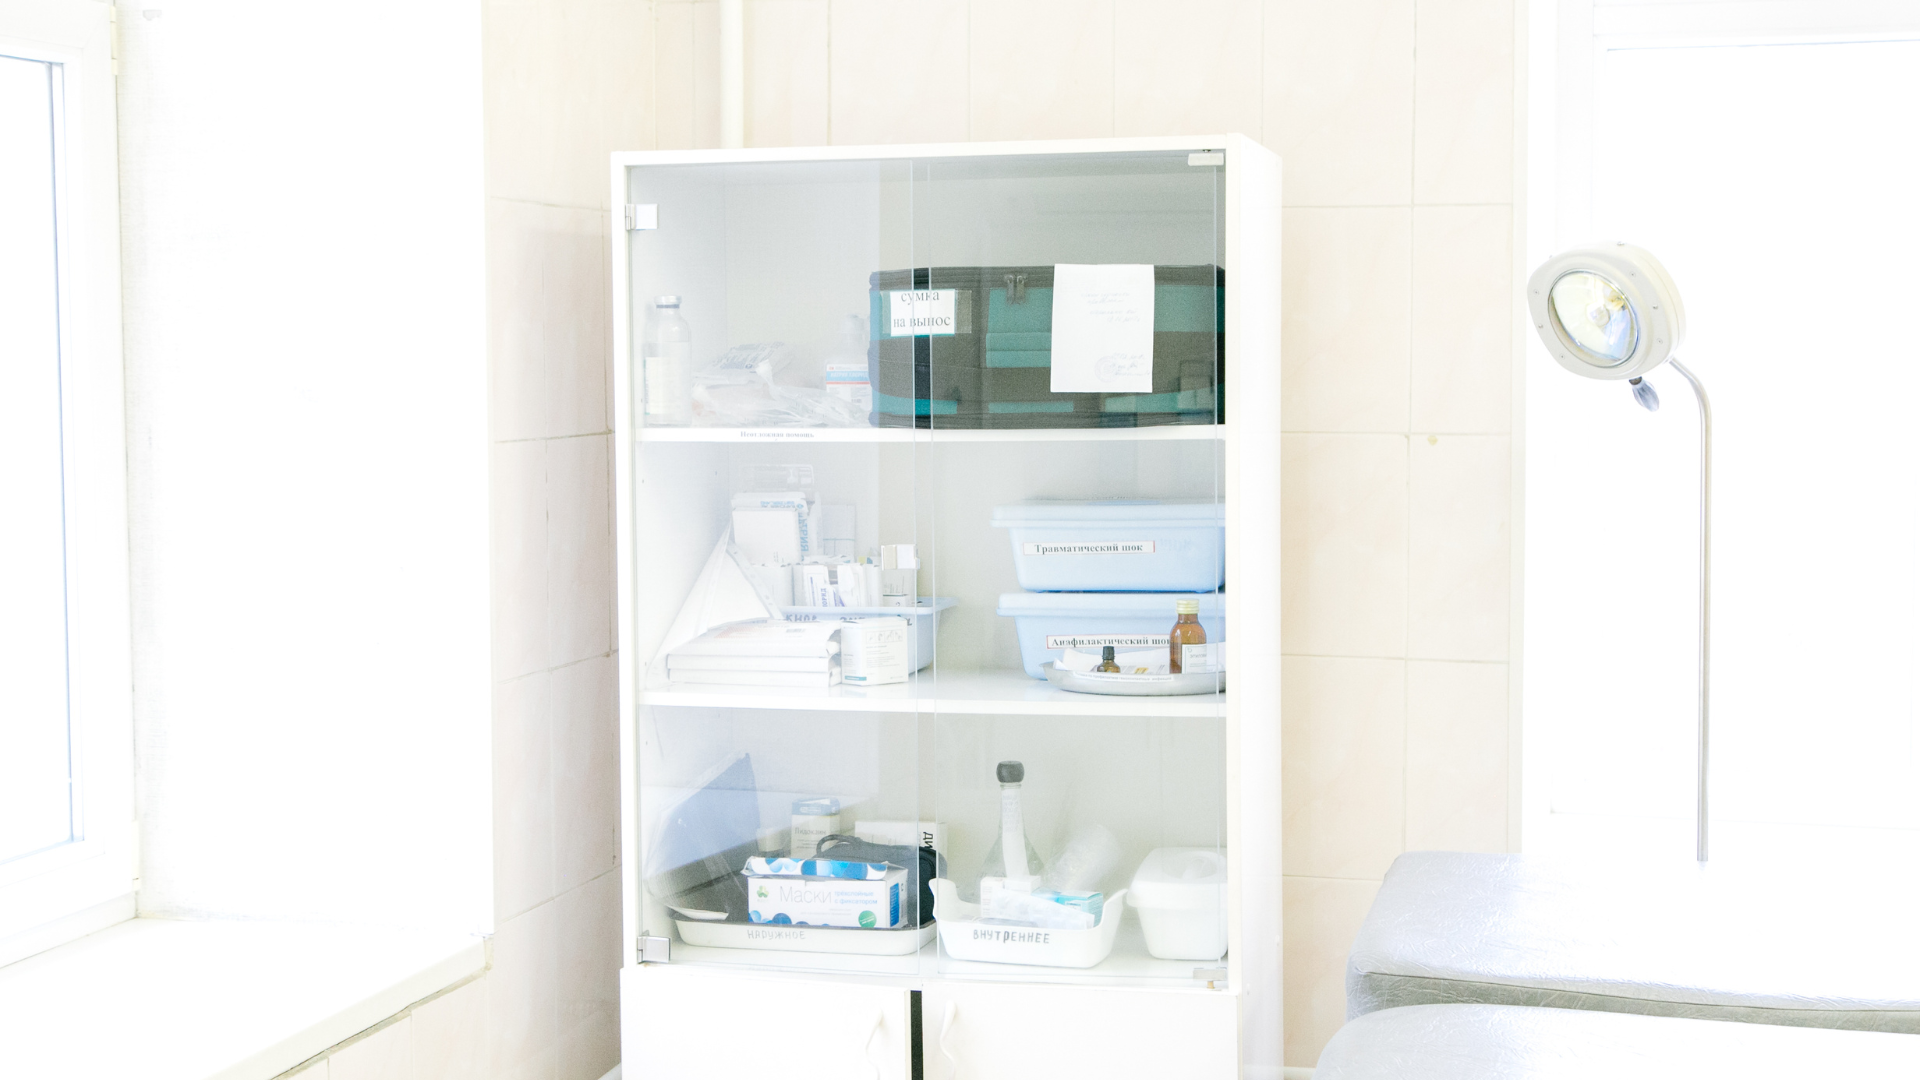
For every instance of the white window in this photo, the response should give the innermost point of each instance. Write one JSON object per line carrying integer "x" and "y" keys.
{"x": 1765, "y": 152}
{"x": 66, "y": 837}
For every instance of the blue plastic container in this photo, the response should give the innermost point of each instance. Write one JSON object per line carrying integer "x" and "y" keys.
{"x": 1139, "y": 545}
{"x": 1050, "y": 623}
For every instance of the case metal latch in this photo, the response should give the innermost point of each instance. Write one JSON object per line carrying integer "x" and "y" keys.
{"x": 1016, "y": 288}
{"x": 651, "y": 949}
{"x": 1210, "y": 976}
{"x": 642, "y": 216}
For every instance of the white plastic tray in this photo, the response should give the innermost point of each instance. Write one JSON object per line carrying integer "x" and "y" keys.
{"x": 1134, "y": 685}
{"x": 965, "y": 937}
{"x": 924, "y": 617}
{"x": 739, "y": 935}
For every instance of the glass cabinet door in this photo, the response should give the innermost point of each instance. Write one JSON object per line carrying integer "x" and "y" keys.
{"x": 924, "y": 567}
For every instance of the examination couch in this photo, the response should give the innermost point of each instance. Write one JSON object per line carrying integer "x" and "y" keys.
{"x": 1504, "y": 966}
{"x": 1706, "y": 943}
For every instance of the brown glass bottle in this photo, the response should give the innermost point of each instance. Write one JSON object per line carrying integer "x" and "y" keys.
{"x": 1186, "y": 631}
{"x": 1106, "y": 660}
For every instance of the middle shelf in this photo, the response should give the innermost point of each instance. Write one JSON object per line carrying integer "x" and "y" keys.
{"x": 1009, "y": 692}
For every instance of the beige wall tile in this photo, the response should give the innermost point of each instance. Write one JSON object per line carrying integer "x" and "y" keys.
{"x": 687, "y": 74}
{"x": 886, "y": 91}
{"x": 523, "y": 796}
{"x": 522, "y": 1020}
{"x": 1040, "y": 71}
{"x": 450, "y": 1035}
{"x": 564, "y": 85}
{"x": 1194, "y": 72}
{"x": 1343, "y": 545}
{"x": 1343, "y": 757}
{"x": 589, "y": 967}
{"x": 706, "y": 74}
{"x": 1321, "y": 917}
{"x": 586, "y": 771}
{"x": 1339, "y": 100}
{"x": 786, "y": 73}
{"x": 548, "y": 331}
{"x": 673, "y": 74}
{"x": 1457, "y": 756}
{"x": 386, "y": 1054}
{"x": 1463, "y": 134}
{"x": 1463, "y": 311}
{"x": 1459, "y": 575}
{"x": 579, "y": 548}
{"x": 519, "y": 513}
{"x": 1344, "y": 318}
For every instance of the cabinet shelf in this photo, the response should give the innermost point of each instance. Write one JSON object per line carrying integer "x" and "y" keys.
{"x": 1128, "y": 965}
{"x": 999, "y": 693}
{"x": 1163, "y": 433}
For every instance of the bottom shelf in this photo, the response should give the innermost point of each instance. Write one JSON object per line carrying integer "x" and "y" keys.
{"x": 1129, "y": 965}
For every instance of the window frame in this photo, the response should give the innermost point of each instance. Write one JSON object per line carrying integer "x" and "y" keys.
{"x": 1567, "y": 44}
{"x": 64, "y": 892}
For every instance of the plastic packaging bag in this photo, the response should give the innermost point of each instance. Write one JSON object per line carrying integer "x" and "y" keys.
{"x": 737, "y": 389}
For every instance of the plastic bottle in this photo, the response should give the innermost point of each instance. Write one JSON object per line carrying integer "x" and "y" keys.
{"x": 1186, "y": 631}
{"x": 667, "y": 366}
{"x": 1013, "y": 831}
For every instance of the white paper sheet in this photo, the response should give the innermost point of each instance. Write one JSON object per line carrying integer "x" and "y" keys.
{"x": 1102, "y": 328}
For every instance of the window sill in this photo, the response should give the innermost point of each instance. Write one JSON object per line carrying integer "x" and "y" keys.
{"x": 172, "y": 1000}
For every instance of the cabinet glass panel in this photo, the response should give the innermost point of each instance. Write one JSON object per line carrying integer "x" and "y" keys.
{"x": 915, "y": 444}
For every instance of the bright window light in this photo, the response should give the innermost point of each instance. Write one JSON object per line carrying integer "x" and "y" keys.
{"x": 1776, "y": 183}
{"x": 36, "y": 789}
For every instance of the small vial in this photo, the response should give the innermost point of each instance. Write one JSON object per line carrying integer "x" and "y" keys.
{"x": 1106, "y": 660}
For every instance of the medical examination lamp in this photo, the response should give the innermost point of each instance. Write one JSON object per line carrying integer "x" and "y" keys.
{"x": 1611, "y": 312}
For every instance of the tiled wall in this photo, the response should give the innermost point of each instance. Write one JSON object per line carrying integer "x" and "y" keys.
{"x": 1396, "y": 122}
{"x": 566, "y": 83}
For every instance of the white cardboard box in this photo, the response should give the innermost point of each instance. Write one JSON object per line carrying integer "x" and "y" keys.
{"x": 875, "y": 651}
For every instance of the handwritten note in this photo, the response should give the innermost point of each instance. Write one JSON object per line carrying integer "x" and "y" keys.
{"x": 1102, "y": 328}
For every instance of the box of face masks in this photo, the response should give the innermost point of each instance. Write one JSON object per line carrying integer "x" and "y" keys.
{"x": 798, "y": 901}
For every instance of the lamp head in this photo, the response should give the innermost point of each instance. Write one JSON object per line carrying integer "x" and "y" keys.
{"x": 1607, "y": 311}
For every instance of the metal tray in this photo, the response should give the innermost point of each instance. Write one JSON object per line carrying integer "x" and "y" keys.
{"x": 1135, "y": 685}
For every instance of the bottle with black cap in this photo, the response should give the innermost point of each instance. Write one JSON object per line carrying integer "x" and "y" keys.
{"x": 1027, "y": 863}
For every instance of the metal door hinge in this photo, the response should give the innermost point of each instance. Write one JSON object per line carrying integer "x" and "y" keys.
{"x": 650, "y": 950}
{"x": 1207, "y": 157}
{"x": 643, "y": 216}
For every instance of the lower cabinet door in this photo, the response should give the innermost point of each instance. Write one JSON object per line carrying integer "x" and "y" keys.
{"x": 1004, "y": 1031}
{"x": 679, "y": 1023}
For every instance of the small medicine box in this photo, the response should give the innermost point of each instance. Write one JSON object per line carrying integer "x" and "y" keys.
{"x": 1050, "y": 623}
{"x": 1143, "y": 545}
{"x": 1181, "y": 897}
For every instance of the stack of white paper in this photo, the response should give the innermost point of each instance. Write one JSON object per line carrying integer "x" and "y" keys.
{"x": 761, "y": 653}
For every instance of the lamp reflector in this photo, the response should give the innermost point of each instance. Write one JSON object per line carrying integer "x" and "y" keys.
{"x": 1595, "y": 317}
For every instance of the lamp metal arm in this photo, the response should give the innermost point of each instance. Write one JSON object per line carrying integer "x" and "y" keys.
{"x": 1706, "y": 597}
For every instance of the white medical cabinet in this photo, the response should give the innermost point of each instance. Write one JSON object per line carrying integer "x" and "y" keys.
{"x": 832, "y": 366}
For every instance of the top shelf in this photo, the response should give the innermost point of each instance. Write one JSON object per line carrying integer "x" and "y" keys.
{"x": 1164, "y": 433}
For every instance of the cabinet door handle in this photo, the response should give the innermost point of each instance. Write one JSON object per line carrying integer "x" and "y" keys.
{"x": 946, "y": 1034}
{"x": 866, "y": 1051}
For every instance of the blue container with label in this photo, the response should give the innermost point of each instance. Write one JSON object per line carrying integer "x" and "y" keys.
{"x": 1050, "y": 623}
{"x": 1122, "y": 545}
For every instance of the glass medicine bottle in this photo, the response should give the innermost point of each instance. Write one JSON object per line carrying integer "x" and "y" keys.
{"x": 1186, "y": 631}
{"x": 666, "y": 366}
{"x": 1013, "y": 830}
